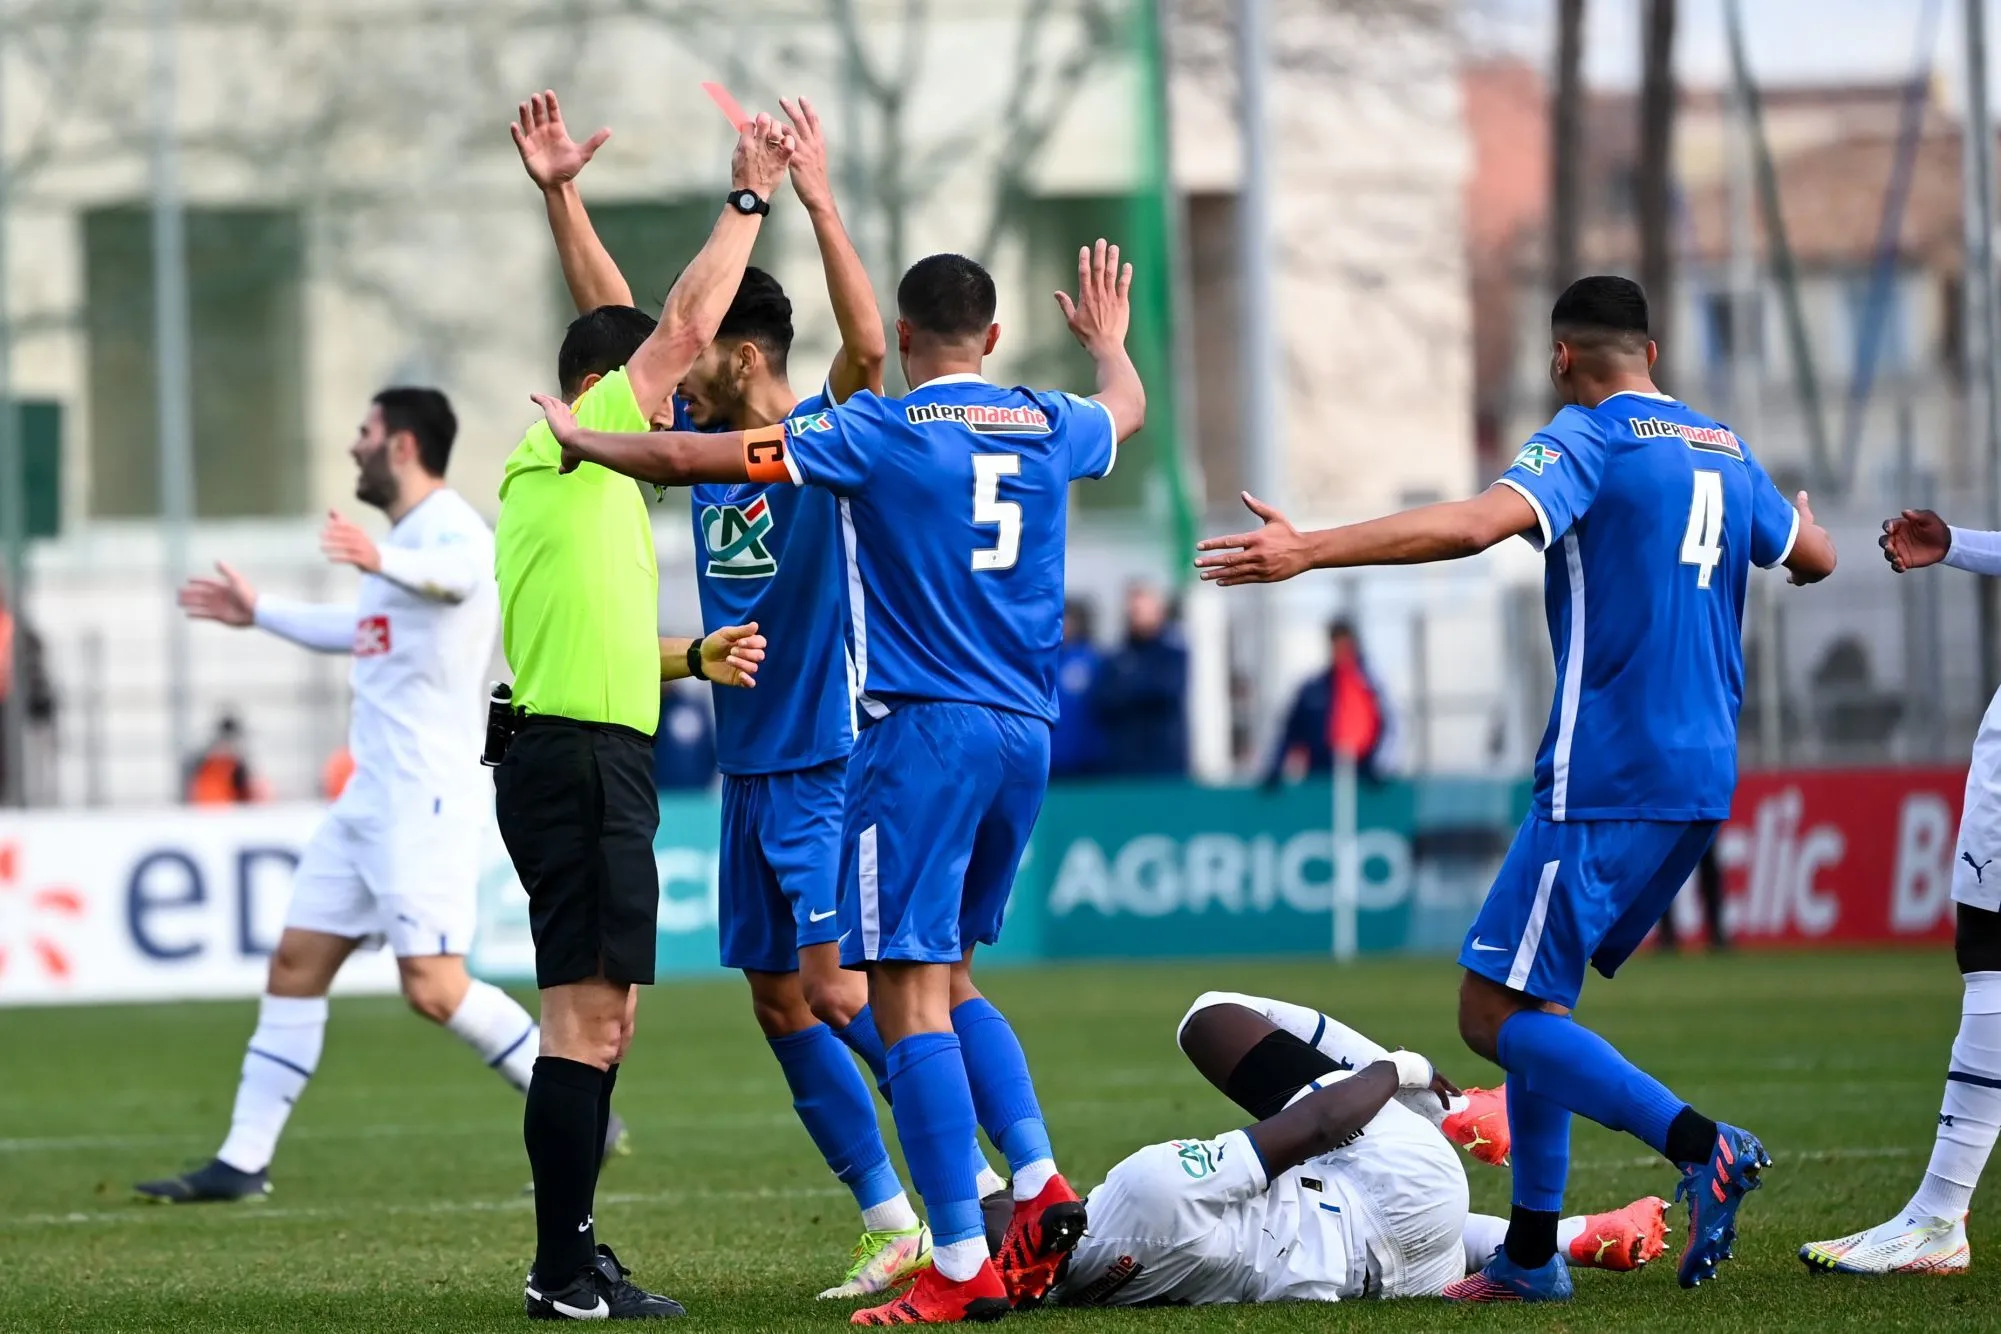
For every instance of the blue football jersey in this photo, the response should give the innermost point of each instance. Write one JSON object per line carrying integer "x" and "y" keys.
{"x": 954, "y": 501}
{"x": 772, "y": 554}
{"x": 1650, "y": 516}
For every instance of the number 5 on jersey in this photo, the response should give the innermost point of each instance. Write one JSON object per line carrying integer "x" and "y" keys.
{"x": 1702, "y": 544}
{"x": 988, "y": 507}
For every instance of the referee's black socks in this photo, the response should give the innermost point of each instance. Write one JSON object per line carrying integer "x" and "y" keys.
{"x": 604, "y": 1110}
{"x": 564, "y": 1132}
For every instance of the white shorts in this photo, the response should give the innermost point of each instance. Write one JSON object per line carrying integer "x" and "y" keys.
{"x": 1411, "y": 1188}
{"x": 412, "y": 882}
{"x": 1978, "y": 854}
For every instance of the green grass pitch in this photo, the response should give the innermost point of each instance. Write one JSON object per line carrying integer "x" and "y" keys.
{"x": 399, "y": 1205}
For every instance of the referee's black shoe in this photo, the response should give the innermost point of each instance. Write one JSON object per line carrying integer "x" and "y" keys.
{"x": 213, "y": 1182}
{"x": 602, "y": 1292}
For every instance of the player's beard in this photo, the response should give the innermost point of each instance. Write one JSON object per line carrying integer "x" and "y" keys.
{"x": 375, "y": 484}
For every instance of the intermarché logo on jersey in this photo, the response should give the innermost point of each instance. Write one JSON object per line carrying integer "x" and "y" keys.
{"x": 735, "y": 536}
{"x": 981, "y": 418}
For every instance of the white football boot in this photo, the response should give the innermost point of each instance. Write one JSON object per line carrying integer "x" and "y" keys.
{"x": 1904, "y": 1245}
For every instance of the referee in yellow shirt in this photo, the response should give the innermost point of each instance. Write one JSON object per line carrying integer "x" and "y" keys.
{"x": 579, "y": 594}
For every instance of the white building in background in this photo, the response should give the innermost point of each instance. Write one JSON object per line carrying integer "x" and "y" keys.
{"x": 356, "y": 217}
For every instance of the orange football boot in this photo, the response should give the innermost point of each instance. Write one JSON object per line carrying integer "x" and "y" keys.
{"x": 1624, "y": 1239}
{"x": 1481, "y": 1126}
{"x": 1042, "y": 1231}
{"x": 936, "y": 1300}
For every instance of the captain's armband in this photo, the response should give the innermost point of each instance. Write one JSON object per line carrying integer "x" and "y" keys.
{"x": 764, "y": 455}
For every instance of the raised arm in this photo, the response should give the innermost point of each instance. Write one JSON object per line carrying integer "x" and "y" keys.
{"x": 864, "y": 348}
{"x": 1099, "y": 317}
{"x": 669, "y": 458}
{"x": 1445, "y": 531}
{"x": 702, "y": 294}
{"x": 449, "y": 572}
{"x": 552, "y": 160}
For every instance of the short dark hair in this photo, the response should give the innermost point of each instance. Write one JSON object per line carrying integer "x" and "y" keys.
{"x": 1342, "y": 628}
{"x": 427, "y": 415}
{"x": 599, "y": 342}
{"x": 947, "y": 295}
{"x": 760, "y": 313}
{"x": 1604, "y": 309}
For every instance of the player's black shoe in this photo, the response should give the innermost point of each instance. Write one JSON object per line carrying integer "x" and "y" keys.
{"x": 602, "y": 1292}
{"x": 212, "y": 1183}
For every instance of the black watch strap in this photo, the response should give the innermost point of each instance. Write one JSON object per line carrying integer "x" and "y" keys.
{"x": 747, "y": 202}
{"x": 695, "y": 661}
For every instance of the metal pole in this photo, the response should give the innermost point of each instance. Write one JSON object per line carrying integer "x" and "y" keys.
{"x": 1264, "y": 449}
{"x": 1347, "y": 887}
{"x": 171, "y": 372}
{"x": 1747, "y": 395}
{"x": 1983, "y": 386}
{"x": 13, "y": 525}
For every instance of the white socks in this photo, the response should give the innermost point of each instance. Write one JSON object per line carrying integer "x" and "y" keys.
{"x": 1484, "y": 1234}
{"x": 1032, "y": 1177}
{"x": 284, "y": 1051}
{"x": 990, "y": 1181}
{"x": 490, "y": 1022}
{"x": 1329, "y": 1036}
{"x": 1972, "y": 1109}
{"x": 960, "y": 1260}
{"x": 892, "y": 1215}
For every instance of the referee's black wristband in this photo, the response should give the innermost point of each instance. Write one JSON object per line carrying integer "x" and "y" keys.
{"x": 695, "y": 661}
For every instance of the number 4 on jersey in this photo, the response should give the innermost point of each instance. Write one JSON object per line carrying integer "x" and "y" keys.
{"x": 988, "y": 507}
{"x": 1702, "y": 544}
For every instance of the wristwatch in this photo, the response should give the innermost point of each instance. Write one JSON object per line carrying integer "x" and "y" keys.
{"x": 746, "y": 202}
{"x": 695, "y": 661}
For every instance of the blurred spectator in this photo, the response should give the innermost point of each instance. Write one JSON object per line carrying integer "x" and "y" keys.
{"x": 1341, "y": 709}
{"x": 1142, "y": 694}
{"x": 684, "y": 749}
{"x": 220, "y": 775}
{"x": 335, "y": 773}
{"x": 1077, "y": 742}
{"x": 1709, "y": 884}
{"x": 40, "y": 700}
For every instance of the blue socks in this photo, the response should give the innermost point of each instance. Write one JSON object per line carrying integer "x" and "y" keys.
{"x": 865, "y": 1042}
{"x": 834, "y": 1105}
{"x": 1539, "y": 1148}
{"x": 934, "y": 1120}
{"x": 1559, "y": 1060}
{"x": 1002, "y": 1091}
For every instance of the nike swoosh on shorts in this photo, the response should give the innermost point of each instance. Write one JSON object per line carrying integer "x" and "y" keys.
{"x": 821, "y": 916}
{"x": 1491, "y": 949}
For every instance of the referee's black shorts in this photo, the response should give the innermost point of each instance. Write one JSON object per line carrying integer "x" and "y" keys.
{"x": 577, "y": 810}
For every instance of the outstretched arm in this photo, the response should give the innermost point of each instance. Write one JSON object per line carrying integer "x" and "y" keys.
{"x": 1099, "y": 317}
{"x": 1812, "y": 557}
{"x": 1445, "y": 531}
{"x": 229, "y": 599}
{"x": 1917, "y": 538}
{"x": 703, "y": 292}
{"x": 858, "y": 365}
{"x": 669, "y": 458}
{"x": 552, "y": 160}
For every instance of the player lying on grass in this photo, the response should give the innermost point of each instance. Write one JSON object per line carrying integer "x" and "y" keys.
{"x": 772, "y": 553}
{"x": 1649, "y": 516}
{"x": 396, "y": 859}
{"x": 1346, "y": 1186}
{"x": 1928, "y": 1235}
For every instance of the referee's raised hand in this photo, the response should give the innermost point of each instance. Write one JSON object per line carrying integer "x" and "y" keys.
{"x": 764, "y": 149}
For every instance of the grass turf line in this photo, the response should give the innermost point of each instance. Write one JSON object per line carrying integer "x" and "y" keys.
{"x": 398, "y": 1198}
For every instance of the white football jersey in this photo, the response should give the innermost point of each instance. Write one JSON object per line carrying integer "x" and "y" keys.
{"x": 422, "y": 632}
{"x": 1194, "y": 1222}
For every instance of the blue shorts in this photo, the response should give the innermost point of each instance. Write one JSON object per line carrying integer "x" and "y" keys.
{"x": 941, "y": 799}
{"x": 1585, "y": 891}
{"x": 780, "y": 855}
